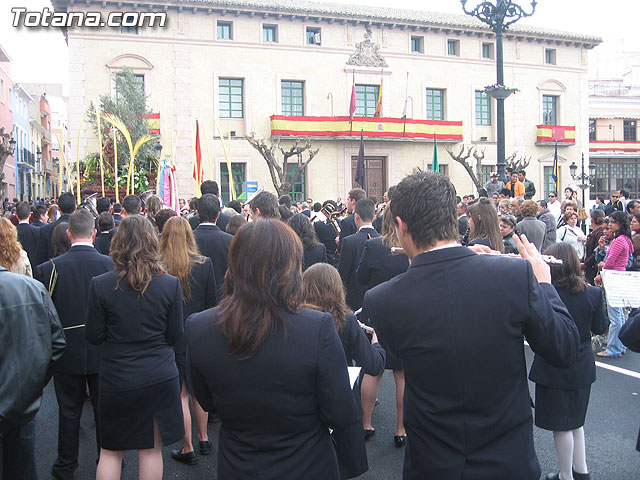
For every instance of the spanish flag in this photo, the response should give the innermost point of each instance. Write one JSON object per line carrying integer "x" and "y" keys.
{"x": 198, "y": 173}
{"x": 556, "y": 174}
{"x": 379, "y": 105}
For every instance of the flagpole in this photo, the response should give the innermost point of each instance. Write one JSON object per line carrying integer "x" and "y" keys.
{"x": 406, "y": 100}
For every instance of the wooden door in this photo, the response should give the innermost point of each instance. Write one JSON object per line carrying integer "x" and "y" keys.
{"x": 375, "y": 182}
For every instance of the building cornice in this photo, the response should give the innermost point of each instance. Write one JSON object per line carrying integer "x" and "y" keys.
{"x": 412, "y": 20}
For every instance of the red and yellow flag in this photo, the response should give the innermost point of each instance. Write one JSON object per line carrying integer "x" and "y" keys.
{"x": 198, "y": 173}
{"x": 379, "y": 105}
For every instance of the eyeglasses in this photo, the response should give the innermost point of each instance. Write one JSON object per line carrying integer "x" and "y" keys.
{"x": 552, "y": 196}
{"x": 614, "y": 196}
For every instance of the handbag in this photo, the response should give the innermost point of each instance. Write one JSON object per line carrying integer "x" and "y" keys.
{"x": 582, "y": 215}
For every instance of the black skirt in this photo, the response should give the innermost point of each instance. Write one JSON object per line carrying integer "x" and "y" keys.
{"x": 126, "y": 418}
{"x": 561, "y": 410}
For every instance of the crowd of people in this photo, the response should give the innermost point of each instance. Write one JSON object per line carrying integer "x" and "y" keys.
{"x": 250, "y": 314}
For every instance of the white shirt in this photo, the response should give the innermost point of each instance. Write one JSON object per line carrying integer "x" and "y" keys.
{"x": 570, "y": 235}
{"x": 556, "y": 209}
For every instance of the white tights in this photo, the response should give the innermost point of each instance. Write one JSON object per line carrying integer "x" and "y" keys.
{"x": 571, "y": 452}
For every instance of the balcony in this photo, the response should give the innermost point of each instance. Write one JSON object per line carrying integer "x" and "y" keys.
{"x": 44, "y": 108}
{"x": 613, "y": 146}
{"x": 550, "y": 134}
{"x": 26, "y": 159}
{"x": 390, "y": 129}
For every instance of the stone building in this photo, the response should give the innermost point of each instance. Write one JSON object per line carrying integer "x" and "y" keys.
{"x": 286, "y": 70}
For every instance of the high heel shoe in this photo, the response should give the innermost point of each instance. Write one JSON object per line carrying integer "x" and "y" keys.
{"x": 368, "y": 433}
{"x": 400, "y": 440}
{"x": 580, "y": 476}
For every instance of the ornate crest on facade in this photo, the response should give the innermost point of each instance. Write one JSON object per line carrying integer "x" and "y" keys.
{"x": 367, "y": 53}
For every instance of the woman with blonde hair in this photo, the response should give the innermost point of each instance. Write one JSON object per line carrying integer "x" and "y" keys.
{"x": 182, "y": 259}
{"x": 322, "y": 290}
{"x": 12, "y": 255}
{"x": 377, "y": 265}
{"x": 136, "y": 312}
{"x": 484, "y": 225}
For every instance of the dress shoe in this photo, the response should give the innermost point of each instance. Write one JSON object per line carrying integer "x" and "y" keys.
{"x": 581, "y": 476}
{"x": 188, "y": 457}
{"x": 205, "y": 447}
{"x": 552, "y": 476}
{"x": 368, "y": 433}
{"x": 400, "y": 440}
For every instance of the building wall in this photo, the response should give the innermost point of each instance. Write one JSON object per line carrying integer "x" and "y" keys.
{"x": 182, "y": 64}
{"x": 6, "y": 120}
{"x": 24, "y": 171}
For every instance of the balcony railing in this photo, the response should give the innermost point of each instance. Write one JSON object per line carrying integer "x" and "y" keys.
{"x": 613, "y": 145}
{"x": 26, "y": 158}
{"x": 339, "y": 128}
{"x": 550, "y": 134}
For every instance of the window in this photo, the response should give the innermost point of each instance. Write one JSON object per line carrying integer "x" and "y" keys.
{"x": 483, "y": 109}
{"x": 444, "y": 169}
{"x": 139, "y": 79}
{"x": 239, "y": 178}
{"x": 417, "y": 44}
{"x": 366, "y": 100}
{"x": 487, "y": 50}
{"x": 614, "y": 174}
{"x": 549, "y": 110}
{"x": 2, "y": 90}
{"x": 298, "y": 189}
{"x": 270, "y": 33}
{"x": 129, "y": 30}
{"x": 292, "y": 98}
{"x": 224, "y": 31}
{"x": 313, "y": 36}
{"x": 435, "y": 104}
{"x": 548, "y": 181}
{"x": 453, "y": 47}
{"x": 485, "y": 173}
{"x": 550, "y": 56}
{"x": 592, "y": 130}
{"x": 629, "y": 130}
{"x": 231, "y": 98}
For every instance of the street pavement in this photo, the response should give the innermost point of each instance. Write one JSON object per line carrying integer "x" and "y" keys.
{"x": 611, "y": 431}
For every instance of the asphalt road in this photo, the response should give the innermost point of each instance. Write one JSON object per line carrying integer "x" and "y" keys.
{"x": 611, "y": 431}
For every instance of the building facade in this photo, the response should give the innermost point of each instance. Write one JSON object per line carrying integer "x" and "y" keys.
{"x": 6, "y": 122}
{"x": 287, "y": 72}
{"x": 24, "y": 156}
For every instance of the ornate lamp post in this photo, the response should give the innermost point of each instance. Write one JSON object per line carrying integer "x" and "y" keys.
{"x": 584, "y": 181}
{"x": 499, "y": 16}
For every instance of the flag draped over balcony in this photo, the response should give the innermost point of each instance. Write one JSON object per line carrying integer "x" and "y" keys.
{"x": 379, "y": 105}
{"x": 555, "y": 175}
{"x": 198, "y": 172}
{"x": 360, "y": 170}
{"x": 435, "y": 166}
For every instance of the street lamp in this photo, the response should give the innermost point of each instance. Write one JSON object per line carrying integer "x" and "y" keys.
{"x": 499, "y": 17}
{"x": 39, "y": 154}
{"x": 584, "y": 181}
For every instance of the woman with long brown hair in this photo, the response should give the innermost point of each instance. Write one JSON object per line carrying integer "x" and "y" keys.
{"x": 377, "y": 265}
{"x": 322, "y": 290}
{"x": 484, "y": 225}
{"x": 136, "y": 312}
{"x": 12, "y": 256}
{"x": 182, "y": 259}
{"x": 275, "y": 372}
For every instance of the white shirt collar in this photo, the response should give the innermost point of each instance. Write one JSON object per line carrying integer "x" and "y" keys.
{"x": 84, "y": 244}
{"x": 368, "y": 225}
{"x": 442, "y": 247}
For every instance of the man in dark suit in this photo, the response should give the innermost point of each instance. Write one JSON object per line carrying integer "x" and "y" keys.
{"x": 614, "y": 203}
{"x": 67, "y": 205}
{"x": 210, "y": 187}
{"x": 352, "y": 247}
{"x": 117, "y": 213}
{"x": 463, "y": 220}
{"x": 348, "y": 224}
{"x": 106, "y": 229}
{"x": 28, "y": 235}
{"x": 38, "y": 214}
{"x": 212, "y": 241}
{"x": 467, "y": 405}
{"x": 79, "y": 366}
{"x": 103, "y": 204}
{"x": 327, "y": 234}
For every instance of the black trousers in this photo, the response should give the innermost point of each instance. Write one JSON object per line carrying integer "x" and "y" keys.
{"x": 70, "y": 390}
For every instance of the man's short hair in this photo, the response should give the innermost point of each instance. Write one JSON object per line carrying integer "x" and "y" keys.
{"x": 357, "y": 194}
{"x": 67, "y": 203}
{"x": 285, "y": 200}
{"x": 528, "y": 208}
{"x": 103, "y": 204}
{"x": 284, "y": 212}
{"x": 390, "y": 191}
{"x": 522, "y": 172}
{"x": 39, "y": 212}
{"x": 630, "y": 206}
{"x": 317, "y": 207}
{"x": 105, "y": 221}
{"x": 23, "y": 211}
{"x": 463, "y": 206}
{"x": 374, "y": 199}
{"x": 366, "y": 209}
{"x": 236, "y": 205}
{"x": 209, "y": 186}
{"x": 426, "y": 202}
{"x": 163, "y": 216}
{"x": 505, "y": 192}
{"x": 131, "y": 204}
{"x": 117, "y": 207}
{"x": 542, "y": 203}
{"x": 509, "y": 220}
{"x": 81, "y": 224}
{"x": 208, "y": 208}
{"x": 267, "y": 203}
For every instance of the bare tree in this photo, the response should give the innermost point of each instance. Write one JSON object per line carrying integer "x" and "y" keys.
{"x": 6, "y": 150}
{"x": 517, "y": 161}
{"x": 462, "y": 157}
{"x": 279, "y": 171}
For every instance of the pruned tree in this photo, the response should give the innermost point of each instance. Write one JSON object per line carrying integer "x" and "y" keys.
{"x": 278, "y": 170}
{"x": 462, "y": 157}
{"x": 6, "y": 150}
{"x": 517, "y": 161}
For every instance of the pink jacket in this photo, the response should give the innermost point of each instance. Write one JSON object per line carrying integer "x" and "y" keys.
{"x": 618, "y": 253}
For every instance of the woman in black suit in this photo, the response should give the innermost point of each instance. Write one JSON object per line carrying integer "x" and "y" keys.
{"x": 377, "y": 265}
{"x": 314, "y": 251}
{"x": 275, "y": 372}
{"x": 180, "y": 255}
{"x": 136, "y": 312}
{"x": 562, "y": 395}
{"x": 323, "y": 291}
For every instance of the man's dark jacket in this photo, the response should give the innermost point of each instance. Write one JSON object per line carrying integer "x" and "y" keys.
{"x": 214, "y": 243}
{"x": 28, "y": 236}
{"x": 352, "y": 248}
{"x": 45, "y": 247}
{"x": 75, "y": 269}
